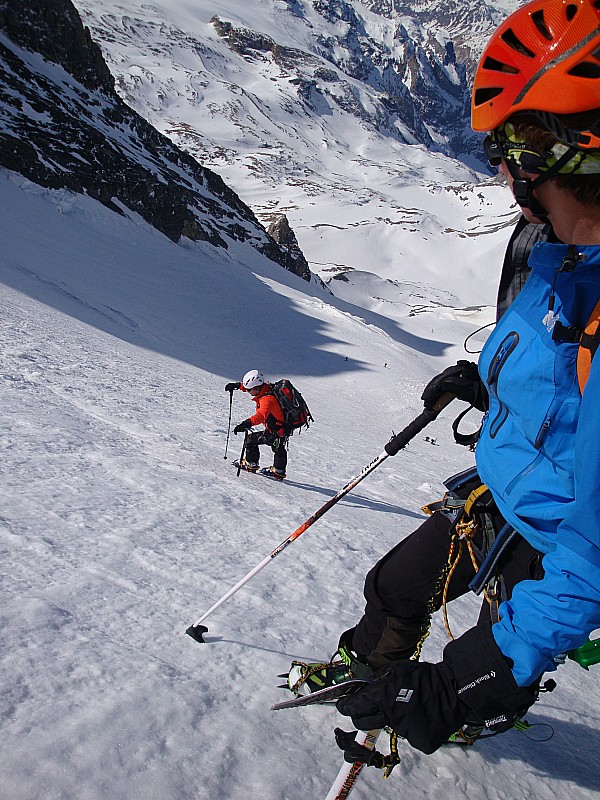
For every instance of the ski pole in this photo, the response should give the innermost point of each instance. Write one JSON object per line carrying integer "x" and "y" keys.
{"x": 396, "y": 443}
{"x": 228, "y": 424}
{"x": 239, "y": 469}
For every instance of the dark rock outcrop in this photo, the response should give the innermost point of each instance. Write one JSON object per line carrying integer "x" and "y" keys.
{"x": 65, "y": 127}
{"x": 285, "y": 237}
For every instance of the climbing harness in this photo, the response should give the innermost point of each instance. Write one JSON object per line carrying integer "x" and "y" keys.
{"x": 473, "y": 515}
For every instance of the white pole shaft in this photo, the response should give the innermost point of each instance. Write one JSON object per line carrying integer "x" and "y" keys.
{"x": 293, "y": 536}
{"x": 395, "y": 444}
{"x": 346, "y": 777}
{"x": 235, "y": 588}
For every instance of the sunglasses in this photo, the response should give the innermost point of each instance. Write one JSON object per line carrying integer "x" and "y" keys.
{"x": 493, "y": 151}
{"x": 528, "y": 160}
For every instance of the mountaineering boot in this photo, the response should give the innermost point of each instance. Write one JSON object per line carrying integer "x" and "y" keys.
{"x": 468, "y": 734}
{"x": 305, "y": 678}
{"x": 358, "y": 665}
{"x": 248, "y": 466}
{"x": 271, "y": 472}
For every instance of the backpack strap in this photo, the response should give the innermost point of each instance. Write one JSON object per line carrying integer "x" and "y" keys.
{"x": 515, "y": 269}
{"x": 588, "y": 339}
{"x": 588, "y": 344}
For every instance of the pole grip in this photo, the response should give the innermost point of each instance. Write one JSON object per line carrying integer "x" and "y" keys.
{"x": 400, "y": 440}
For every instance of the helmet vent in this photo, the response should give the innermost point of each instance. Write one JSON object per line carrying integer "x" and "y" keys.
{"x": 586, "y": 70}
{"x": 512, "y": 40}
{"x": 571, "y": 11}
{"x": 540, "y": 23}
{"x": 483, "y": 96}
{"x": 498, "y": 66}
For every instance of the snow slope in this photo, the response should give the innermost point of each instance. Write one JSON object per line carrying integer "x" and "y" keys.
{"x": 121, "y": 522}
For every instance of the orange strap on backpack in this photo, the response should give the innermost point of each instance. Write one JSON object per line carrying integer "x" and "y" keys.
{"x": 588, "y": 344}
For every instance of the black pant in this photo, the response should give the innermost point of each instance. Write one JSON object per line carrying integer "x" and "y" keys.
{"x": 399, "y": 589}
{"x": 278, "y": 445}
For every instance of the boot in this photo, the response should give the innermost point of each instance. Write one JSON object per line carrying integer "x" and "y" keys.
{"x": 271, "y": 472}
{"x": 248, "y": 466}
{"x": 344, "y": 665}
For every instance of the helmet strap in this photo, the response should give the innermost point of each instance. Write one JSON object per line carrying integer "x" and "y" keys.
{"x": 523, "y": 188}
{"x": 571, "y": 136}
{"x": 523, "y": 191}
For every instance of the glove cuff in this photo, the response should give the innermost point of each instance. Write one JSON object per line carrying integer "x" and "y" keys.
{"x": 484, "y": 679}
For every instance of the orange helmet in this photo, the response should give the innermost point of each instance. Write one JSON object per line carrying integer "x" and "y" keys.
{"x": 545, "y": 58}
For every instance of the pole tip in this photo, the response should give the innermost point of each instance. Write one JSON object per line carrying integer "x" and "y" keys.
{"x": 197, "y": 632}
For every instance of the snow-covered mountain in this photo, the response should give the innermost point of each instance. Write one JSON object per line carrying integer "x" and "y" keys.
{"x": 400, "y": 68}
{"x": 368, "y": 209}
{"x": 342, "y": 116}
{"x": 63, "y": 126}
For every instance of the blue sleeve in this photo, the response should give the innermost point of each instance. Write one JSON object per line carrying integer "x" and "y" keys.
{"x": 556, "y": 614}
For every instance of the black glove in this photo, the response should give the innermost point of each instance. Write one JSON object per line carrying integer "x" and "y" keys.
{"x": 426, "y": 703}
{"x": 414, "y": 698}
{"x": 461, "y": 380}
{"x": 346, "y": 741}
{"x": 243, "y": 426}
{"x": 484, "y": 680}
{"x": 231, "y": 387}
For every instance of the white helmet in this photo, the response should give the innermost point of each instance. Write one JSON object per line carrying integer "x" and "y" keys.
{"x": 253, "y": 379}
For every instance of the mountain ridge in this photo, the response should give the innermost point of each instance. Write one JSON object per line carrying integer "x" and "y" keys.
{"x": 63, "y": 126}
{"x": 296, "y": 135}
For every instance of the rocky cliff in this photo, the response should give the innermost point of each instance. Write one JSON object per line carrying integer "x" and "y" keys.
{"x": 63, "y": 126}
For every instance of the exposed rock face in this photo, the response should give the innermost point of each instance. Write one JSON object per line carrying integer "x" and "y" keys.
{"x": 63, "y": 126}
{"x": 285, "y": 237}
{"x": 53, "y": 29}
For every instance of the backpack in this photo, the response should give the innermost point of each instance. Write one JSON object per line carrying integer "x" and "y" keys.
{"x": 588, "y": 344}
{"x": 588, "y": 340}
{"x": 295, "y": 410}
{"x": 515, "y": 269}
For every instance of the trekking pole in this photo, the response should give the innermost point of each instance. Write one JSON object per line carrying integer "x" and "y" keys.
{"x": 396, "y": 443}
{"x": 239, "y": 469}
{"x": 228, "y": 424}
{"x": 346, "y": 777}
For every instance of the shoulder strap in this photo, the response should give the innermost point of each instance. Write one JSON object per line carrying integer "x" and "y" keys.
{"x": 588, "y": 344}
{"x": 588, "y": 339}
{"x": 515, "y": 269}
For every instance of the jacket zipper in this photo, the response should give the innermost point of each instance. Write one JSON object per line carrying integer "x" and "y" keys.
{"x": 542, "y": 433}
{"x": 504, "y": 350}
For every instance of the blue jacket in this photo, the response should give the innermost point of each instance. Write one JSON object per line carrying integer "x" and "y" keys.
{"x": 539, "y": 453}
